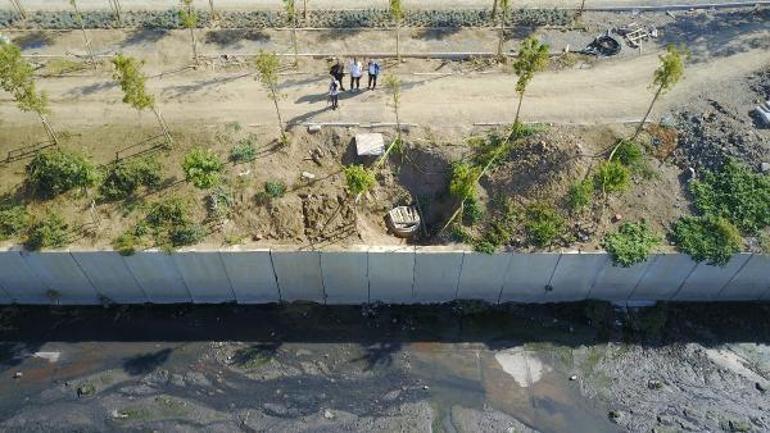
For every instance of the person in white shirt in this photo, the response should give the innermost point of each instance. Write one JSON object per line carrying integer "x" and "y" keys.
{"x": 356, "y": 71}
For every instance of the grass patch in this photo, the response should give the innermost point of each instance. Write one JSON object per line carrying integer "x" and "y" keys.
{"x": 123, "y": 179}
{"x": 244, "y": 151}
{"x": 612, "y": 176}
{"x": 51, "y": 231}
{"x": 631, "y": 244}
{"x": 543, "y": 224}
{"x": 580, "y": 194}
{"x": 14, "y": 220}
{"x": 708, "y": 238}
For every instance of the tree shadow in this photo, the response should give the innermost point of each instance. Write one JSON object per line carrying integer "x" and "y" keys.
{"x": 227, "y": 37}
{"x": 143, "y": 364}
{"x": 184, "y": 90}
{"x": 33, "y": 40}
{"x": 256, "y": 354}
{"x": 709, "y": 35}
{"x": 338, "y": 34}
{"x": 379, "y": 354}
{"x": 144, "y": 36}
{"x": 435, "y": 34}
{"x": 91, "y": 89}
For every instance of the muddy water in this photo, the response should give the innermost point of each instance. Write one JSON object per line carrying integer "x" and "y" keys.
{"x": 536, "y": 389}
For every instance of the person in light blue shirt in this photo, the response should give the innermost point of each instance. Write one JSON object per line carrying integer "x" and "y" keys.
{"x": 373, "y": 69}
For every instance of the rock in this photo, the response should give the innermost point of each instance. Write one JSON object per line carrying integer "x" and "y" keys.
{"x": 761, "y": 388}
{"x": 617, "y": 217}
{"x": 308, "y": 176}
{"x": 328, "y": 414}
{"x": 86, "y": 389}
{"x": 654, "y": 384}
{"x": 313, "y": 129}
{"x": 765, "y": 167}
{"x": 573, "y": 377}
{"x": 18, "y": 375}
{"x": 118, "y": 415}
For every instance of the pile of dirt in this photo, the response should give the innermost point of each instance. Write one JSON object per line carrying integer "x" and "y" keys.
{"x": 328, "y": 217}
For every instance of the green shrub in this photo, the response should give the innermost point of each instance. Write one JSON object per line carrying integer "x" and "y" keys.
{"x": 124, "y": 178}
{"x": 54, "y": 172}
{"x": 631, "y": 244}
{"x": 244, "y": 151}
{"x": 202, "y": 168}
{"x": 172, "y": 211}
{"x": 127, "y": 243}
{"x": 170, "y": 224}
{"x": 13, "y": 221}
{"x": 484, "y": 246}
{"x": 612, "y": 176}
{"x": 736, "y": 193}
{"x": 579, "y": 195}
{"x": 462, "y": 184}
{"x": 629, "y": 153}
{"x": 459, "y": 234}
{"x": 472, "y": 211}
{"x": 275, "y": 188}
{"x": 543, "y": 224}
{"x": 710, "y": 238}
{"x": 359, "y": 179}
{"x": 47, "y": 232}
{"x": 186, "y": 234}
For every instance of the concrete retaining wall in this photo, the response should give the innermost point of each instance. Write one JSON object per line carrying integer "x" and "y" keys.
{"x": 391, "y": 275}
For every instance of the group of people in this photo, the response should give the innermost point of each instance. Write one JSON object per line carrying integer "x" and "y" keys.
{"x": 356, "y": 69}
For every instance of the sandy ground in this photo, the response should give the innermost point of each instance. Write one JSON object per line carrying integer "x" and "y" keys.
{"x": 363, "y": 4}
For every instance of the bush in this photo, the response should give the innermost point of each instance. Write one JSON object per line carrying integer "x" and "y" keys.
{"x": 170, "y": 225}
{"x": 58, "y": 171}
{"x": 124, "y": 178}
{"x": 202, "y": 168}
{"x": 736, "y": 193}
{"x": 472, "y": 211}
{"x": 612, "y": 176}
{"x": 13, "y": 221}
{"x": 543, "y": 224}
{"x": 631, "y": 244}
{"x": 219, "y": 203}
{"x": 359, "y": 179}
{"x": 629, "y": 153}
{"x": 186, "y": 234}
{"x": 462, "y": 185}
{"x": 48, "y": 232}
{"x": 710, "y": 238}
{"x": 127, "y": 243}
{"x": 459, "y": 234}
{"x": 244, "y": 151}
{"x": 275, "y": 188}
{"x": 579, "y": 195}
{"x": 172, "y": 211}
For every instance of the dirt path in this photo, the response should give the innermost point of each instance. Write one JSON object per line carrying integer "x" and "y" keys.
{"x": 616, "y": 91}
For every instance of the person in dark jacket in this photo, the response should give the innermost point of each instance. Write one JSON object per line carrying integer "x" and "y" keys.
{"x": 338, "y": 72}
{"x": 373, "y": 69}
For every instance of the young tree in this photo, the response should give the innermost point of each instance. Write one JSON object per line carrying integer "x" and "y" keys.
{"x": 290, "y": 9}
{"x": 212, "y": 10}
{"x": 87, "y": 41}
{"x": 393, "y": 84}
{"x": 532, "y": 58}
{"x": 19, "y": 9}
{"x": 129, "y": 75}
{"x": 189, "y": 18}
{"x": 16, "y": 78}
{"x": 669, "y": 72}
{"x": 494, "y": 9}
{"x": 396, "y": 10}
{"x": 116, "y": 10}
{"x": 267, "y": 73}
{"x": 505, "y": 8}
{"x": 304, "y": 10}
{"x": 582, "y": 8}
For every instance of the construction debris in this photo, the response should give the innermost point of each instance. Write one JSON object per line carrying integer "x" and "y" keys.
{"x": 763, "y": 113}
{"x": 604, "y": 45}
{"x": 372, "y": 144}
{"x": 635, "y": 34}
{"x": 404, "y": 221}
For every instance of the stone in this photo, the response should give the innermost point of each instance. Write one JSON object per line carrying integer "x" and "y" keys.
{"x": 617, "y": 217}
{"x": 18, "y": 375}
{"x": 308, "y": 175}
{"x": 761, "y": 388}
{"x": 573, "y": 377}
{"x": 372, "y": 144}
{"x": 328, "y": 414}
{"x": 765, "y": 167}
{"x": 313, "y": 129}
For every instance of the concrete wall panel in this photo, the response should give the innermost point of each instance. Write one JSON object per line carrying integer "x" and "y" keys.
{"x": 391, "y": 275}
{"x": 527, "y": 276}
{"x": 205, "y": 276}
{"x": 574, "y": 276}
{"x": 19, "y": 282}
{"x": 436, "y": 275}
{"x": 615, "y": 283}
{"x": 663, "y": 277}
{"x": 345, "y": 277}
{"x": 157, "y": 274}
{"x": 299, "y": 275}
{"x": 59, "y": 271}
{"x": 751, "y": 283}
{"x": 482, "y": 276}
{"x": 251, "y": 276}
{"x": 706, "y": 281}
{"x": 110, "y": 276}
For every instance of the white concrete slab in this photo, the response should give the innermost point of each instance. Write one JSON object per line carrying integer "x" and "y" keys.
{"x": 299, "y": 275}
{"x": 482, "y": 276}
{"x": 706, "y": 281}
{"x": 391, "y": 275}
{"x": 663, "y": 277}
{"x": 345, "y": 277}
{"x": 110, "y": 276}
{"x": 436, "y": 274}
{"x": 615, "y": 283}
{"x": 527, "y": 276}
{"x": 59, "y": 271}
{"x": 21, "y": 284}
{"x": 750, "y": 283}
{"x": 157, "y": 274}
{"x": 251, "y": 276}
{"x": 575, "y": 275}
{"x": 205, "y": 277}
